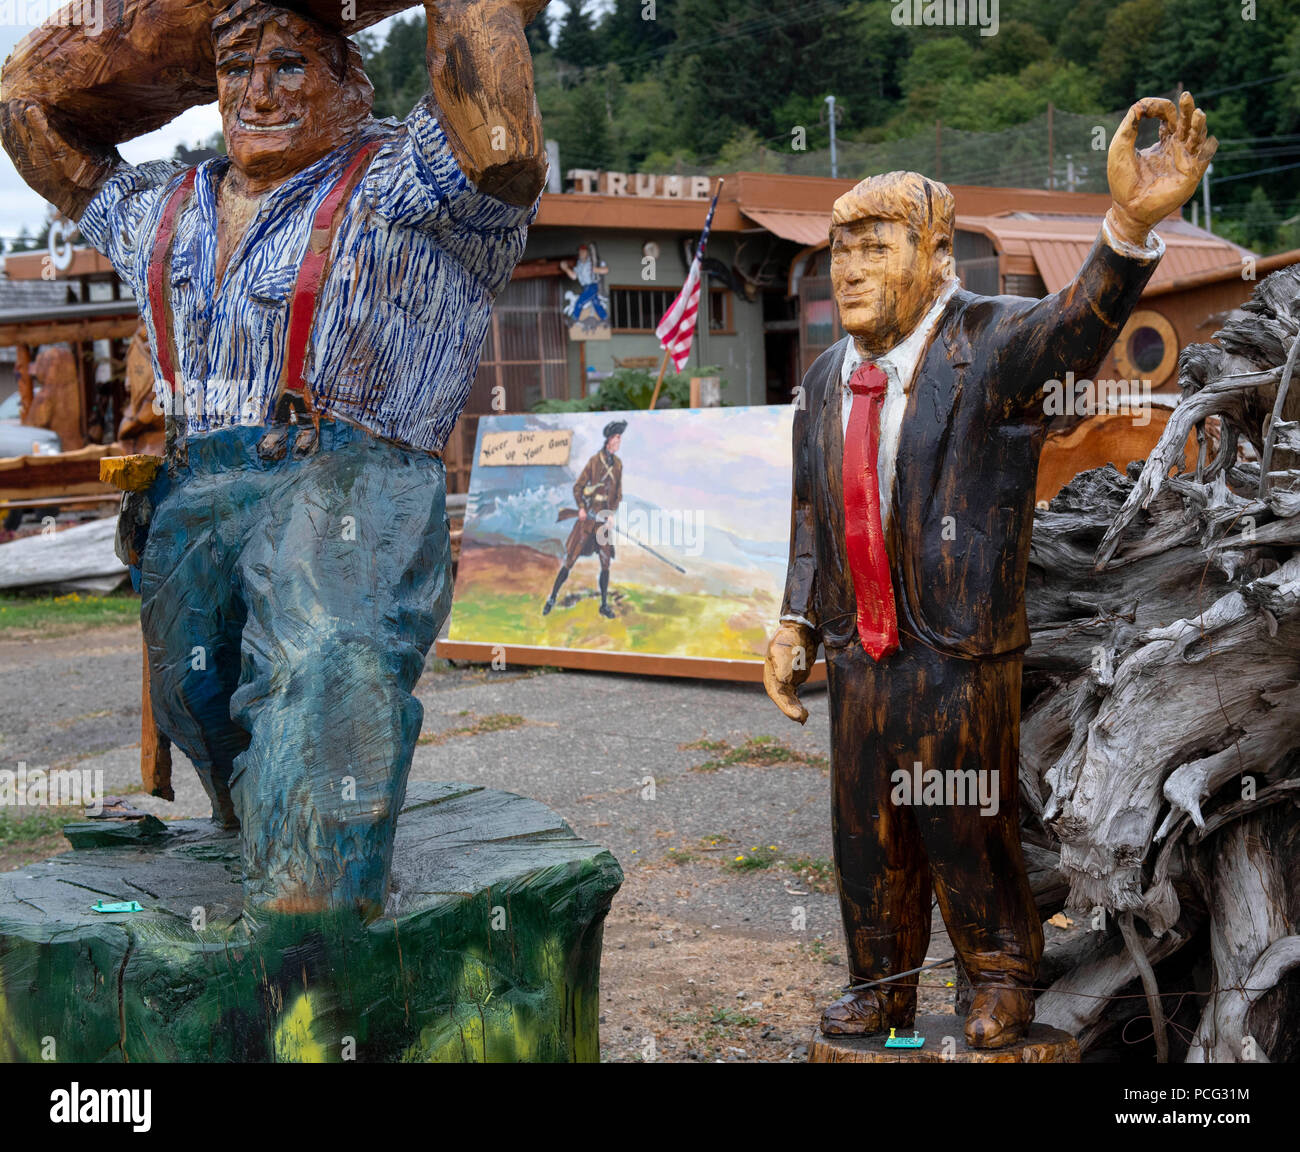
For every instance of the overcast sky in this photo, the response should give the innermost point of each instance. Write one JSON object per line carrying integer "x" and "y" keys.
{"x": 20, "y": 206}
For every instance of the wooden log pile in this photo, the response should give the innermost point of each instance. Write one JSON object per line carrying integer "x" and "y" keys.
{"x": 1160, "y": 744}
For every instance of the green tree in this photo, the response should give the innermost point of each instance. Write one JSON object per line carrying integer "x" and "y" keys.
{"x": 539, "y": 33}
{"x": 397, "y": 68}
{"x": 635, "y": 34}
{"x": 576, "y": 42}
{"x": 583, "y": 128}
{"x": 1127, "y": 48}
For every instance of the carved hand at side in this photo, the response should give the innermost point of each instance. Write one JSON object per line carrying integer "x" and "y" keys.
{"x": 790, "y": 656}
{"x": 1147, "y": 186}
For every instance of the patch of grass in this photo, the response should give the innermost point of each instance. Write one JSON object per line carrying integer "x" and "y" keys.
{"x": 492, "y": 722}
{"x": 730, "y": 1018}
{"x": 714, "y": 839}
{"x": 714, "y": 1024}
{"x": 705, "y": 746}
{"x": 762, "y": 752}
{"x": 817, "y": 872}
{"x": 62, "y": 615}
{"x": 753, "y": 860}
{"x": 35, "y": 825}
{"x": 680, "y": 855}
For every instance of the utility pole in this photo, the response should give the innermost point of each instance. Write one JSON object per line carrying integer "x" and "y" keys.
{"x": 835, "y": 164}
{"x": 1051, "y": 149}
{"x": 1205, "y": 191}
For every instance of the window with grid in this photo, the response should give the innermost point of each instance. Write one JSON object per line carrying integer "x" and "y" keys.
{"x": 639, "y": 309}
{"x": 635, "y": 310}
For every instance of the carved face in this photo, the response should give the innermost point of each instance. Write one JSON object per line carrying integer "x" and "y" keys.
{"x": 283, "y": 106}
{"x": 885, "y": 278}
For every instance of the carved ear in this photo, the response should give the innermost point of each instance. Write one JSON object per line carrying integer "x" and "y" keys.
{"x": 358, "y": 91}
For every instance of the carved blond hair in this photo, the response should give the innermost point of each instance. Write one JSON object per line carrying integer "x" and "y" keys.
{"x": 924, "y": 205}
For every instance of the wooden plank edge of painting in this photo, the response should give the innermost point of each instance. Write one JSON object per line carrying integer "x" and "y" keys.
{"x": 583, "y": 660}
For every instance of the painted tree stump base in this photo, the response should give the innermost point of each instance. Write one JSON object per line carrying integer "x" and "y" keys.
{"x": 488, "y": 949}
{"x": 944, "y": 1044}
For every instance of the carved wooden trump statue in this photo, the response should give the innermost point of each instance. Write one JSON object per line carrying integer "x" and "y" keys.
{"x": 916, "y": 450}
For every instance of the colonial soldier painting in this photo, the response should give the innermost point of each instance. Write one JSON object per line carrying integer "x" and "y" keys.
{"x": 598, "y": 492}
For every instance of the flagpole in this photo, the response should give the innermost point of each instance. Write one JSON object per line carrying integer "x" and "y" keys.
{"x": 663, "y": 368}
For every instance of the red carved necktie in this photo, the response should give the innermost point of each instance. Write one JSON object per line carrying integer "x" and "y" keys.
{"x": 864, "y": 530}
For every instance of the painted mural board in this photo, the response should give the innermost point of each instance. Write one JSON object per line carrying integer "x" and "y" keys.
{"x": 697, "y": 541}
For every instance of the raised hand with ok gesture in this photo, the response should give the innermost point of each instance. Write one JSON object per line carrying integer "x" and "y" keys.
{"x": 1147, "y": 186}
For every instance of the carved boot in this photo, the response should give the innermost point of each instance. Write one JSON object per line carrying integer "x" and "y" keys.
{"x": 865, "y": 1013}
{"x": 999, "y": 1015}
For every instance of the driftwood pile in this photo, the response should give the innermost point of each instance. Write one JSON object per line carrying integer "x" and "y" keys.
{"x": 1160, "y": 740}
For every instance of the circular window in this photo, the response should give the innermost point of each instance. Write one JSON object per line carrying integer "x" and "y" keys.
{"x": 1147, "y": 349}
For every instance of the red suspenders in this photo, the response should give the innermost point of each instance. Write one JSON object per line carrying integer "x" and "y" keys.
{"x": 302, "y": 308}
{"x": 158, "y": 310}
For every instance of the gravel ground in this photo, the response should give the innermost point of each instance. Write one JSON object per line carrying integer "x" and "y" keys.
{"x": 704, "y": 959}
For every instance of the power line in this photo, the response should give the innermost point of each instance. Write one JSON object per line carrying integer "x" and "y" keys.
{"x": 1257, "y": 172}
{"x": 1249, "y": 84}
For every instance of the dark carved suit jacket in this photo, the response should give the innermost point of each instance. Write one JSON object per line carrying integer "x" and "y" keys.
{"x": 971, "y": 435}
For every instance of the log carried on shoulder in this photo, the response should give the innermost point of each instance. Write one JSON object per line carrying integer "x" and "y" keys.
{"x": 116, "y": 69}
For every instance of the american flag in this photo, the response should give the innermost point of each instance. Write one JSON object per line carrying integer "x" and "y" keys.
{"x": 676, "y": 330}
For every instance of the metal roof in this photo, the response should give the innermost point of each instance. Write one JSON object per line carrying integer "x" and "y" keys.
{"x": 807, "y": 229}
{"x": 60, "y": 312}
{"x": 1059, "y": 244}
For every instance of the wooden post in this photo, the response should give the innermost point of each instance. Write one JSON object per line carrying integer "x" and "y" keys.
{"x": 155, "y": 748}
{"x": 660, "y": 382}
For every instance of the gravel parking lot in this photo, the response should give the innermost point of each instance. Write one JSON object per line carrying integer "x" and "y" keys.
{"x": 724, "y": 942}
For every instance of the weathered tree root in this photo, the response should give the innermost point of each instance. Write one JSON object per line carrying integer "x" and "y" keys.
{"x": 1161, "y": 716}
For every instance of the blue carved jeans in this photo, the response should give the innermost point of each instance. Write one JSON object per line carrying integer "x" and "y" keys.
{"x": 288, "y": 606}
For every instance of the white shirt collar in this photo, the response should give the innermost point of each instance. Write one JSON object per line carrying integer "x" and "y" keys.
{"x": 903, "y": 357}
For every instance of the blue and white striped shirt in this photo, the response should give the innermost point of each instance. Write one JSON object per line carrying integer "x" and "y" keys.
{"x": 419, "y": 256}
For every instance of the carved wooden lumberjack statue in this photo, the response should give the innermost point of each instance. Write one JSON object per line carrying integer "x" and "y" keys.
{"x": 316, "y": 304}
{"x": 916, "y": 449}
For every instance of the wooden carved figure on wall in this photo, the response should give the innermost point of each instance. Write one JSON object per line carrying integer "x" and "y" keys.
{"x": 316, "y": 302}
{"x": 57, "y": 403}
{"x": 587, "y": 308}
{"x": 916, "y": 442}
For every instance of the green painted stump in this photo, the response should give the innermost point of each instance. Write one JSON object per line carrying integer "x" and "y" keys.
{"x": 488, "y": 950}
